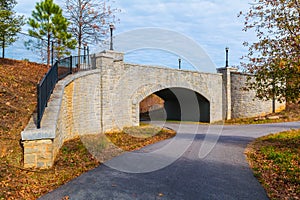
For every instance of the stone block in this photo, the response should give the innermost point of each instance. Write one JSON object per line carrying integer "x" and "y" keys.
{"x": 30, "y": 160}
{"x": 30, "y": 150}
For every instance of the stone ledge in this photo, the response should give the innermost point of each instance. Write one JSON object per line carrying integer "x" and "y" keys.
{"x": 170, "y": 69}
{"x": 115, "y": 56}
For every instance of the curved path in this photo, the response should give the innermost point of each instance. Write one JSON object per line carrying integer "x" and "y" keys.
{"x": 222, "y": 174}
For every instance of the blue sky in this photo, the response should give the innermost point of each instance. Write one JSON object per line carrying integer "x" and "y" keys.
{"x": 213, "y": 24}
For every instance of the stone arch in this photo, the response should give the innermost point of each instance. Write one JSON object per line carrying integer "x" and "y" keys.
{"x": 179, "y": 91}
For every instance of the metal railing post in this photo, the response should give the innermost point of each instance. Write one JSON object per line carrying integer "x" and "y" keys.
{"x": 56, "y": 70}
{"x": 71, "y": 59}
{"x": 84, "y": 55}
{"x": 38, "y": 121}
{"x": 52, "y": 53}
{"x": 88, "y": 54}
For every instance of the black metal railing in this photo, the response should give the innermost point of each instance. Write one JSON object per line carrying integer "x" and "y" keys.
{"x": 70, "y": 65}
{"x": 64, "y": 67}
{"x": 58, "y": 71}
{"x": 44, "y": 90}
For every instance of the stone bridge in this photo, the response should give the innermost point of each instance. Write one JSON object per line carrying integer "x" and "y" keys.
{"x": 109, "y": 97}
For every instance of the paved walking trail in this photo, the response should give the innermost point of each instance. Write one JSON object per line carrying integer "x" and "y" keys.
{"x": 221, "y": 174}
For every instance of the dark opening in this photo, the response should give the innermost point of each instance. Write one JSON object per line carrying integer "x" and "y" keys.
{"x": 178, "y": 104}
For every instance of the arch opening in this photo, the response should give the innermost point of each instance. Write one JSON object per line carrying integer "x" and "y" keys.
{"x": 167, "y": 104}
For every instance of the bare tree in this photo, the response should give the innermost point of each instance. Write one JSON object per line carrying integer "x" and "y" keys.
{"x": 89, "y": 20}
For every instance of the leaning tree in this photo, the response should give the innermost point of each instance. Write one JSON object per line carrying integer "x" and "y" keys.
{"x": 274, "y": 59}
{"x": 10, "y": 24}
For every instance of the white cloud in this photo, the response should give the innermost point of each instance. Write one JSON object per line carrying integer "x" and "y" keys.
{"x": 212, "y": 23}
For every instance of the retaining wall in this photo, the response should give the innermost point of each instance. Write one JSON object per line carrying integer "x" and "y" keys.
{"x": 72, "y": 111}
{"x": 243, "y": 102}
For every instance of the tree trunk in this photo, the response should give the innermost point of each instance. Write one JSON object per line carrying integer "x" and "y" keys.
{"x": 78, "y": 59}
{"x": 48, "y": 50}
{"x": 79, "y": 34}
{"x": 3, "y": 47}
{"x": 79, "y": 48}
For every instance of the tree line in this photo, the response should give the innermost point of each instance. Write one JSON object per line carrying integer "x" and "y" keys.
{"x": 80, "y": 23}
{"x": 274, "y": 59}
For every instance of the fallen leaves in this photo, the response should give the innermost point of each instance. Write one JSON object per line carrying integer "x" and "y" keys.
{"x": 17, "y": 85}
{"x": 134, "y": 138}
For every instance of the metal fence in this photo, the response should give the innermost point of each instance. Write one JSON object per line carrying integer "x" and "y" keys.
{"x": 58, "y": 71}
{"x": 44, "y": 90}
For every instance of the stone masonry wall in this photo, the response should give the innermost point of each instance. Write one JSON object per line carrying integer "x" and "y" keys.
{"x": 124, "y": 86}
{"x": 73, "y": 110}
{"x": 107, "y": 98}
{"x": 80, "y": 110}
{"x": 244, "y": 104}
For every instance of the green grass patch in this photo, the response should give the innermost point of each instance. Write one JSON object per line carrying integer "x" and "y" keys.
{"x": 275, "y": 160}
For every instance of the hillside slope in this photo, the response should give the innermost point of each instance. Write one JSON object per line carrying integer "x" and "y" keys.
{"x": 18, "y": 80}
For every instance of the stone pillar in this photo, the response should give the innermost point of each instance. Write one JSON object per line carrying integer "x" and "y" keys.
{"x": 227, "y": 89}
{"x": 38, "y": 153}
{"x": 108, "y": 62}
{"x": 107, "y": 58}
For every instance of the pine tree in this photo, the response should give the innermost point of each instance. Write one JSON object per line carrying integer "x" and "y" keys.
{"x": 10, "y": 24}
{"x": 48, "y": 23}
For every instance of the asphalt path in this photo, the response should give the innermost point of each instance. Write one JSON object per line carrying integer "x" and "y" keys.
{"x": 201, "y": 162}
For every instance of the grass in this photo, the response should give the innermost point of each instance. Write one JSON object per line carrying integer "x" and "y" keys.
{"x": 17, "y": 103}
{"x": 104, "y": 147}
{"x": 275, "y": 160}
{"x": 19, "y": 183}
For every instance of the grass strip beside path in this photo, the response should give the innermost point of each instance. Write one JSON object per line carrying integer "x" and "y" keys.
{"x": 275, "y": 160}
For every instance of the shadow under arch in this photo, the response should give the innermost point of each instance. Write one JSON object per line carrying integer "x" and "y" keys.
{"x": 195, "y": 109}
